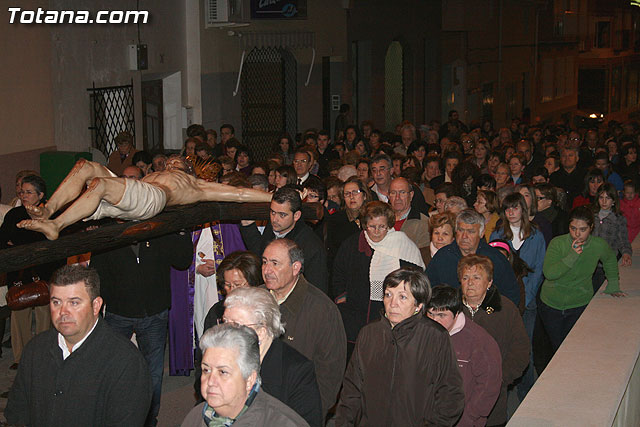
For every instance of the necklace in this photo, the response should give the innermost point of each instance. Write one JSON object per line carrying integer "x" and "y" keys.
{"x": 472, "y": 310}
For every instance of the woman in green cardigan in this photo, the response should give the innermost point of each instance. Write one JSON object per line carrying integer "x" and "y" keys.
{"x": 569, "y": 264}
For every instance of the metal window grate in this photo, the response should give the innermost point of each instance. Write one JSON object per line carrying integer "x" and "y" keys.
{"x": 111, "y": 113}
{"x": 269, "y": 98}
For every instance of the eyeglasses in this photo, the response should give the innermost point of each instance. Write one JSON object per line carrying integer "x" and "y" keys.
{"x": 381, "y": 227}
{"x": 301, "y": 161}
{"x": 28, "y": 192}
{"x": 236, "y": 324}
{"x": 353, "y": 193}
{"x": 232, "y": 286}
{"x": 400, "y": 193}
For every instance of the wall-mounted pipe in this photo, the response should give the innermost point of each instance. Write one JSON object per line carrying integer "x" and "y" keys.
{"x": 313, "y": 60}
{"x": 235, "y": 92}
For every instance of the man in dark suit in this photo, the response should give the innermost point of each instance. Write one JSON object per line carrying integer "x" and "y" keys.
{"x": 286, "y": 221}
{"x": 302, "y": 163}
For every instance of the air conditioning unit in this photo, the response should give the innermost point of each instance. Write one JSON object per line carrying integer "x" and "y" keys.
{"x": 224, "y": 13}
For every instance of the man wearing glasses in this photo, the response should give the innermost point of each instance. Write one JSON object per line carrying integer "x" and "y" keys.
{"x": 409, "y": 220}
{"x": 302, "y": 164}
{"x": 381, "y": 166}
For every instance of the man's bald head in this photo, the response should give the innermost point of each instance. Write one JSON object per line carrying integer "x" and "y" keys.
{"x": 132, "y": 172}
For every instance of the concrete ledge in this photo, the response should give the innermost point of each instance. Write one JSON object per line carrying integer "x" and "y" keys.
{"x": 594, "y": 378}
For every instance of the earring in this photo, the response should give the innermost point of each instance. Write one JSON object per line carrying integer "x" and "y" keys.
{"x": 417, "y": 311}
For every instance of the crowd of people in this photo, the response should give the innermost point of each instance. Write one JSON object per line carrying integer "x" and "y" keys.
{"x": 450, "y": 262}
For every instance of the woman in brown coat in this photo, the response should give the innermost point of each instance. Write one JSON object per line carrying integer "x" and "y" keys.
{"x": 403, "y": 371}
{"x": 484, "y": 305}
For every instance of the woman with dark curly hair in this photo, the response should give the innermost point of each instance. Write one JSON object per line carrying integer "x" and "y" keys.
{"x": 285, "y": 147}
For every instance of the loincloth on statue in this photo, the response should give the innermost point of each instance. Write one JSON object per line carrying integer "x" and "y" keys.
{"x": 140, "y": 201}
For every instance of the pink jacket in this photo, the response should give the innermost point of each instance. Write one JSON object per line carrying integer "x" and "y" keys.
{"x": 480, "y": 365}
{"x": 631, "y": 211}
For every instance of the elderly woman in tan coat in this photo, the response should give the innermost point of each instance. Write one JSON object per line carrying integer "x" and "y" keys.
{"x": 231, "y": 384}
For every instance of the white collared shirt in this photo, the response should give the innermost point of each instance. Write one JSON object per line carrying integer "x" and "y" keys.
{"x": 381, "y": 196}
{"x": 281, "y": 235}
{"x": 303, "y": 178}
{"x": 280, "y": 302}
{"x": 63, "y": 344}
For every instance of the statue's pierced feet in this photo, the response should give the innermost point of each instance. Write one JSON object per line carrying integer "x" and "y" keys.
{"x": 38, "y": 212}
{"x": 44, "y": 226}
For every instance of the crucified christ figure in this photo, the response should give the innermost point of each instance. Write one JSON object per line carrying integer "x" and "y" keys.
{"x": 124, "y": 198}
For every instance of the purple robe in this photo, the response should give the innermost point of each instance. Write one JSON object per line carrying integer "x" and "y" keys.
{"x": 181, "y": 352}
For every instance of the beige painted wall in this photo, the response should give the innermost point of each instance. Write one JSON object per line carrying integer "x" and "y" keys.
{"x": 26, "y": 110}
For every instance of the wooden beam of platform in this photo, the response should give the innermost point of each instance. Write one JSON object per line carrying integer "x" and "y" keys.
{"x": 115, "y": 235}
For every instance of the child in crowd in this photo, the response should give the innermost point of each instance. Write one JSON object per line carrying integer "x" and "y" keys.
{"x": 611, "y": 225}
{"x": 630, "y": 208}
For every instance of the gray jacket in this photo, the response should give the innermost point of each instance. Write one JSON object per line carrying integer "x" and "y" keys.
{"x": 613, "y": 229}
{"x": 265, "y": 411}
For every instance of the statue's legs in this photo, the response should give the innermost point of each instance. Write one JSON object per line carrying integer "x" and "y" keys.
{"x": 108, "y": 189}
{"x": 83, "y": 171}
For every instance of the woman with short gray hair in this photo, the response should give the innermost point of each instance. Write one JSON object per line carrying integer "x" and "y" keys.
{"x": 286, "y": 374}
{"x": 231, "y": 384}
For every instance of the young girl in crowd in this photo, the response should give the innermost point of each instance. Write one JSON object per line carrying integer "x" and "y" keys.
{"x": 525, "y": 239}
{"x": 630, "y": 208}
{"x": 540, "y": 221}
{"x": 571, "y": 259}
{"x": 611, "y": 225}
{"x": 592, "y": 181}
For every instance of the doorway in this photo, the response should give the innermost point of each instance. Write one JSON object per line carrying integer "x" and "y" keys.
{"x": 152, "y": 116}
{"x": 393, "y": 86}
{"x": 269, "y": 98}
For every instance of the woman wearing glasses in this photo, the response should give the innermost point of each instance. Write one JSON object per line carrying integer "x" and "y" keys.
{"x": 32, "y": 192}
{"x": 237, "y": 270}
{"x": 241, "y": 269}
{"x": 285, "y": 373}
{"x": 362, "y": 263}
{"x": 345, "y": 222}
